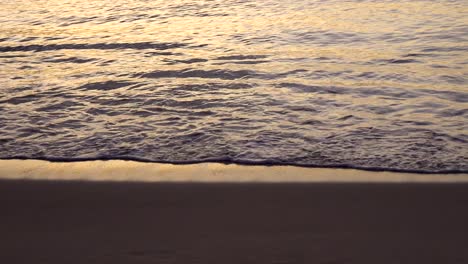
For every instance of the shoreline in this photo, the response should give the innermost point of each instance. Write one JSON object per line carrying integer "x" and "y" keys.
{"x": 122, "y": 170}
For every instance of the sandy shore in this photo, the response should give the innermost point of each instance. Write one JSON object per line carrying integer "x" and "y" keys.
{"x": 132, "y": 212}
{"x": 121, "y": 170}
{"x": 117, "y": 222}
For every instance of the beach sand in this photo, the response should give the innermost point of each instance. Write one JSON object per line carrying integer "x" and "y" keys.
{"x": 51, "y": 221}
{"x": 124, "y": 170}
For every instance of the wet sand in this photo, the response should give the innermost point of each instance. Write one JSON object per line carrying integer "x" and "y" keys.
{"x": 124, "y": 170}
{"x": 122, "y": 222}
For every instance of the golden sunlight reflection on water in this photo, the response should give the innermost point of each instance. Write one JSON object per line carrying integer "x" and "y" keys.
{"x": 366, "y": 84}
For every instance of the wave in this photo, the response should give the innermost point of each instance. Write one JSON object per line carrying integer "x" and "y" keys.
{"x": 298, "y": 83}
{"x": 96, "y": 46}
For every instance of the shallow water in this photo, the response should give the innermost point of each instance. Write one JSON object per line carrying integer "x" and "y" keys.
{"x": 365, "y": 84}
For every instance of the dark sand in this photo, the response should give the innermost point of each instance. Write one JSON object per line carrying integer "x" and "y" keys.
{"x": 105, "y": 222}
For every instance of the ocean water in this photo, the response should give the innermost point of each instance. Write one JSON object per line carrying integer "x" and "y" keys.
{"x": 359, "y": 83}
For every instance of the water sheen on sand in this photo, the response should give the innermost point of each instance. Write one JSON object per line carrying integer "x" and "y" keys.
{"x": 366, "y": 84}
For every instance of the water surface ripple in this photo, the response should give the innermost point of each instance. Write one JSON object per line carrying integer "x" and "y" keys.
{"x": 364, "y": 84}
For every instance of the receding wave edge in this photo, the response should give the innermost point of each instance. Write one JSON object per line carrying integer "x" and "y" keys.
{"x": 237, "y": 162}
